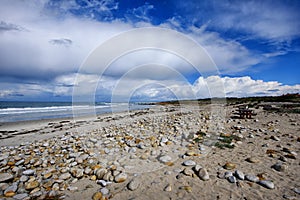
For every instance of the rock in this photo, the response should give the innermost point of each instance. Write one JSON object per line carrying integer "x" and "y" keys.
{"x": 297, "y": 190}
{"x": 11, "y": 190}
{"x": 290, "y": 156}
{"x": 77, "y": 173}
{"x": 227, "y": 174}
{"x": 104, "y": 191}
{"x": 65, "y": 176}
{"x": 103, "y": 183}
{"x": 20, "y": 162}
{"x": 21, "y": 196}
{"x": 168, "y": 188}
{"x": 32, "y": 185}
{"x": 197, "y": 168}
{"x": 36, "y": 194}
{"x": 29, "y": 172}
{"x": 273, "y": 137}
{"x": 188, "y": 172}
{"x": 252, "y": 178}
{"x": 121, "y": 177}
{"x": 283, "y": 159}
{"x": 55, "y": 187}
{"x": 165, "y": 159}
{"x": 280, "y": 167}
{"x": 133, "y": 185}
{"x": 190, "y": 153}
{"x": 47, "y": 175}
{"x": 229, "y": 166}
{"x": 189, "y": 163}
{"x": 267, "y": 184}
{"x": 5, "y": 177}
{"x": 97, "y": 196}
{"x": 203, "y": 174}
{"x": 72, "y": 188}
{"x": 3, "y": 186}
{"x": 252, "y": 160}
{"x": 231, "y": 179}
{"x": 52, "y": 194}
{"x": 100, "y": 173}
{"x": 240, "y": 175}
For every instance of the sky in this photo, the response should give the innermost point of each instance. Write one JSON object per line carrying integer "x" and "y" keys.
{"x": 46, "y": 47}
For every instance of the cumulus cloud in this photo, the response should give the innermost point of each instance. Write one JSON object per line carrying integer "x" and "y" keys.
{"x": 126, "y": 88}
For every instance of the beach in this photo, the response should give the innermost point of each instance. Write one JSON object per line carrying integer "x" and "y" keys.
{"x": 169, "y": 151}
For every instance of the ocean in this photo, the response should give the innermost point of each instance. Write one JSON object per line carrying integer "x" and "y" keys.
{"x": 24, "y": 111}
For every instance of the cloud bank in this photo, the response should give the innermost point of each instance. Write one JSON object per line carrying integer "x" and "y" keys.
{"x": 43, "y": 44}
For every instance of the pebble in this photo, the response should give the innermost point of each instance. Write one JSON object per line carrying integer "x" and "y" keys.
{"x": 121, "y": 177}
{"x": 100, "y": 173}
{"x": 168, "y": 188}
{"x": 29, "y": 172}
{"x": 203, "y": 174}
{"x": 21, "y": 196}
{"x": 252, "y": 178}
{"x": 188, "y": 172}
{"x": 267, "y": 184}
{"x": 104, "y": 191}
{"x": 297, "y": 190}
{"x": 32, "y": 185}
{"x": 97, "y": 196}
{"x": 273, "y": 137}
{"x": 252, "y": 160}
{"x": 133, "y": 184}
{"x": 231, "y": 179}
{"x": 11, "y": 190}
{"x": 227, "y": 174}
{"x": 197, "y": 168}
{"x": 65, "y": 176}
{"x": 5, "y": 177}
{"x": 165, "y": 159}
{"x": 240, "y": 175}
{"x": 229, "y": 166}
{"x": 280, "y": 167}
{"x": 72, "y": 188}
{"x": 189, "y": 163}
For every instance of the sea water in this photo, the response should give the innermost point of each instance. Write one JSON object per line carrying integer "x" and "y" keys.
{"x": 24, "y": 111}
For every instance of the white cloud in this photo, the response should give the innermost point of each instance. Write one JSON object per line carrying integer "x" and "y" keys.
{"x": 229, "y": 56}
{"x": 274, "y": 20}
{"x": 243, "y": 87}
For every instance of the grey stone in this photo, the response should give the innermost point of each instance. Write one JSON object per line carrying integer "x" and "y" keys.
{"x": 267, "y": 184}
{"x": 29, "y": 172}
{"x": 134, "y": 184}
{"x": 5, "y": 177}
{"x": 297, "y": 190}
{"x": 189, "y": 163}
{"x": 252, "y": 178}
{"x": 104, "y": 191}
{"x": 240, "y": 175}
{"x": 203, "y": 174}
{"x": 280, "y": 167}
{"x": 20, "y": 196}
{"x": 165, "y": 159}
{"x": 65, "y": 176}
{"x": 231, "y": 179}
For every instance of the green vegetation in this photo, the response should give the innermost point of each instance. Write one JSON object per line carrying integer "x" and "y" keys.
{"x": 225, "y": 141}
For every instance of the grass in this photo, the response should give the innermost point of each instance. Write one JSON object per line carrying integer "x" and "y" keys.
{"x": 225, "y": 141}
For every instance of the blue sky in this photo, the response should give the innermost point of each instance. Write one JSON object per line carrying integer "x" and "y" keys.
{"x": 254, "y": 44}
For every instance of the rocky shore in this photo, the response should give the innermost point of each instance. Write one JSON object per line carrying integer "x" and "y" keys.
{"x": 166, "y": 152}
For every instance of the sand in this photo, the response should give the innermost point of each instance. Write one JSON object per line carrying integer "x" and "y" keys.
{"x": 268, "y": 138}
